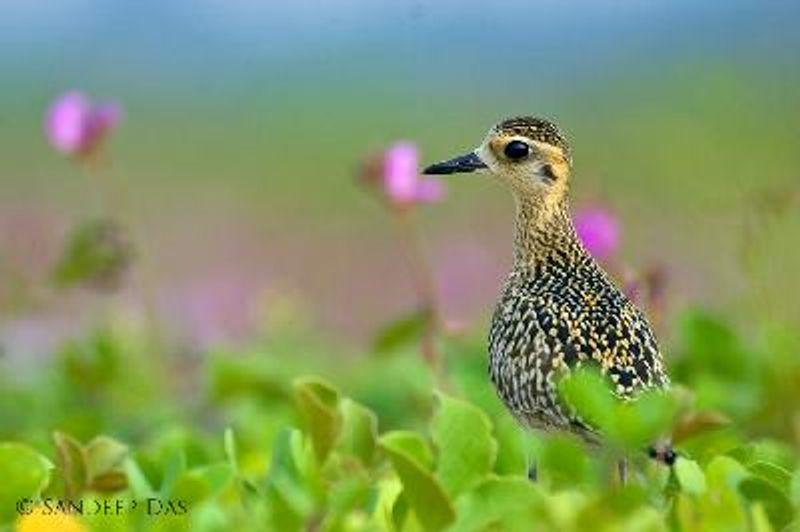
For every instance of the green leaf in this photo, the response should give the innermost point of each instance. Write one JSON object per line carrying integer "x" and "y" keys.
{"x": 105, "y": 459}
{"x": 563, "y": 459}
{"x": 640, "y": 422}
{"x": 400, "y": 511}
{"x": 346, "y": 497}
{"x": 759, "y": 518}
{"x": 289, "y": 500}
{"x": 724, "y": 471}
{"x": 410, "y": 443}
{"x": 589, "y": 394}
{"x": 173, "y": 466}
{"x": 230, "y": 450}
{"x": 690, "y": 476}
{"x": 318, "y": 403}
{"x": 774, "y": 474}
{"x": 202, "y": 482}
{"x": 466, "y": 449}
{"x": 498, "y": 503}
{"x": 24, "y": 473}
{"x": 512, "y": 453}
{"x": 72, "y": 463}
{"x": 795, "y": 489}
{"x": 359, "y": 435}
{"x": 721, "y": 505}
{"x": 426, "y": 496}
{"x": 402, "y": 332}
{"x": 247, "y": 377}
{"x": 137, "y": 480}
{"x": 775, "y": 502}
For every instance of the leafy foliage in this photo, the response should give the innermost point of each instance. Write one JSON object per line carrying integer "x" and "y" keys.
{"x": 260, "y": 445}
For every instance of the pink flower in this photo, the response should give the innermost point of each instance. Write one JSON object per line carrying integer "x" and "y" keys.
{"x": 74, "y": 125}
{"x": 401, "y": 180}
{"x": 599, "y": 231}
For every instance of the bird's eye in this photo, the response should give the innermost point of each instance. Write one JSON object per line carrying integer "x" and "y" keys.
{"x": 516, "y": 150}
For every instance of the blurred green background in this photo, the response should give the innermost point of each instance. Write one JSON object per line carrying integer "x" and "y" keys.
{"x": 259, "y": 258}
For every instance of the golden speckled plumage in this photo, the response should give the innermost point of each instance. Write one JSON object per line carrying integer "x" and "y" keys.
{"x": 558, "y": 309}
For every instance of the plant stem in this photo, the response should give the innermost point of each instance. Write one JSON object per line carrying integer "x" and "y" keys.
{"x": 424, "y": 285}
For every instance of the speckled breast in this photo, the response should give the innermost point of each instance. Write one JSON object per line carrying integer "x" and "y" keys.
{"x": 548, "y": 322}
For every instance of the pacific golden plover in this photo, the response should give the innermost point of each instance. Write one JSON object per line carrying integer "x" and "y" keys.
{"x": 558, "y": 309}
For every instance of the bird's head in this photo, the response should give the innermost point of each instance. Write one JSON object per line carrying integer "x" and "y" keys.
{"x": 530, "y": 154}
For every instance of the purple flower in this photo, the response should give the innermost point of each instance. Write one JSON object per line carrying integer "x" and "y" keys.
{"x": 74, "y": 125}
{"x": 599, "y": 231}
{"x": 401, "y": 181}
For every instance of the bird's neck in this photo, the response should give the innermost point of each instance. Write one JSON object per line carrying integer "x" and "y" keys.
{"x": 544, "y": 231}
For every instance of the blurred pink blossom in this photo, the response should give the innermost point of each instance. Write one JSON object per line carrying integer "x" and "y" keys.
{"x": 75, "y": 125}
{"x": 599, "y": 231}
{"x": 401, "y": 180}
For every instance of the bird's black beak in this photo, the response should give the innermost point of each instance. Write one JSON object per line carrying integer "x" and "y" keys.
{"x": 460, "y": 165}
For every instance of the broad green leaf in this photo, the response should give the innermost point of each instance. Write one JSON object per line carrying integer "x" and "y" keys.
{"x": 173, "y": 466}
{"x": 774, "y": 474}
{"x": 466, "y": 449}
{"x": 774, "y": 501}
{"x": 24, "y": 473}
{"x": 424, "y": 493}
{"x": 404, "y": 331}
{"x": 720, "y": 506}
{"x": 512, "y": 448}
{"x": 759, "y": 518}
{"x": 105, "y": 458}
{"x": 611, "y": 505}
{"x": 247, "y": 377}
{"x": 346, "y": 498}
{"x": 724, "y": 471}
{"x": 640, "y": 422}
{"x": 387, "y": 491}
{"x": 137, "y": 481}
{"x": 686, "y": 509}
{"x": 359, "y": 435}
{"x": 563, "y": 460}
{"x": 765, "y": 450}
{"x": 588, "y": 393}
{"x": 318, "y": 403}
{"x": 690, "y": 476}
{"x": 410, "y": 443}
{"x": 201, "y": 483}
{"x": 496, "y": 503}
{"x": 400, "y": 511}
{"x": 795, "y": 488}
{"x": 289, "y": 500}
{"x": 72, "y": 464}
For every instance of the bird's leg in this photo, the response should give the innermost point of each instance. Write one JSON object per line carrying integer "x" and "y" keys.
{"x": 533, "y": 472}
{"x": 530, "y": 461}
{"x": 622, "y": 471}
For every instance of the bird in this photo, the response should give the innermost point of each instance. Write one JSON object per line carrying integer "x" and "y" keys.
{"x": 558, "y": 309}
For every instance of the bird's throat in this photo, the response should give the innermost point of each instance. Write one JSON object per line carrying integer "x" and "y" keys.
{"x": 543, "y": 230}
